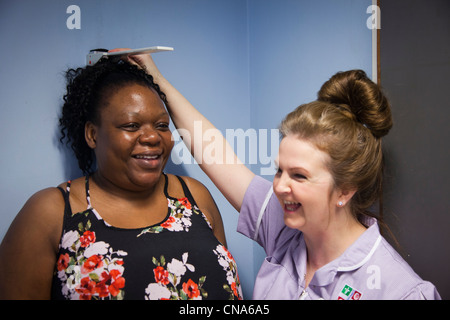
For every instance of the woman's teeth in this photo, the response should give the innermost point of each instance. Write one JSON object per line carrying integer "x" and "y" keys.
{"x": 291, "y": 206}
{"x": 146, "y": 157}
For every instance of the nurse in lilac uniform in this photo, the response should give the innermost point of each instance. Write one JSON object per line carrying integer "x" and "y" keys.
{"x": 321, "y": 239}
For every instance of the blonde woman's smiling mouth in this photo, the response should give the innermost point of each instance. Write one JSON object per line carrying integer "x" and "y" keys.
{"x": 290, "y": 206}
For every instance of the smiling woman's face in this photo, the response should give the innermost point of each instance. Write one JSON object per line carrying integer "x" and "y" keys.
{"x": 132, "y": 141}
{"x": 304, "y": 185}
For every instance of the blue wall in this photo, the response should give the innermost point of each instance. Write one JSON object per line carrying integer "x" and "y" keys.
{"x": 243, "y": 63}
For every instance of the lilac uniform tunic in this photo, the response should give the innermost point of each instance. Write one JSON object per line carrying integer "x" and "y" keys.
{"x": 369, "y": 269}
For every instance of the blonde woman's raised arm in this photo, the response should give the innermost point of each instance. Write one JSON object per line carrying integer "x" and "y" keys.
{"x": 223, "y": 167}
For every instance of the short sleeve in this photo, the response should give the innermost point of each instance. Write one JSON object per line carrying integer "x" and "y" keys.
{"x": 271, "y": 231}
{"x": 424, "y": 291}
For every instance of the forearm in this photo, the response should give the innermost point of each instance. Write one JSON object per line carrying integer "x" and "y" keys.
{"x": 191, "y": 124}
{"x": 184, "y": 115}
{"x": 206, "y": 143}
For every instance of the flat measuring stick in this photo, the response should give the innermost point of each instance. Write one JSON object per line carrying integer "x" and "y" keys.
{"x": 94, "y": 55}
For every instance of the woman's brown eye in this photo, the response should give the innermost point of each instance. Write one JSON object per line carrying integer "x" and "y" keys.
{"x": 163, "y": 125}
{"x": 130, "y": 126}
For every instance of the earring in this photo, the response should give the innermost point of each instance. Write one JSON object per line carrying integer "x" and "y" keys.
{"x": 340, "y": 203}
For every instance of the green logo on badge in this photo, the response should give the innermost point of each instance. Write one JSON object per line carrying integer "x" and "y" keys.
{"x": 347, "y": 290}
{"x": 349, "y": 293}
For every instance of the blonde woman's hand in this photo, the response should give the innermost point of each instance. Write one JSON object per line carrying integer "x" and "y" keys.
{"x": 144, "y": 61}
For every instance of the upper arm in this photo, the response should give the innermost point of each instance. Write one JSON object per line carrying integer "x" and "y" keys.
{"x": 231, "y": 179}
{"x": 28, "y": 250}
{"x": 206, "y": 143}
{"x": 424, "y": 291}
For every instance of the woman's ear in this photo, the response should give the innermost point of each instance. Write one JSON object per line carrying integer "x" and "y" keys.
{"x": 90, "y": 134}
{"x": 345, "y": 197}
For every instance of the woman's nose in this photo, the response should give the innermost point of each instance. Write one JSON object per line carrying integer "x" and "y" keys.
{"x": 149, "y": 136}
{"x": 282, "y": 184}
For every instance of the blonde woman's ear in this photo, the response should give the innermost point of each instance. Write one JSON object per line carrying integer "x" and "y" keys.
{"x": 345, "y": 197}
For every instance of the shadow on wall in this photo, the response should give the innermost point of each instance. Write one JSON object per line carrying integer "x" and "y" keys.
{"x": 70, "y": 162}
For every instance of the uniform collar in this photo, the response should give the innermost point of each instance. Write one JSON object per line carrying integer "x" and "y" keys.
{"x": 353, "y": 257}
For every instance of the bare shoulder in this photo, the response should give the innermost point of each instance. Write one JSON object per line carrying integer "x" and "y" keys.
{"x": 46, "y": 202}
{"x": 47, "y": 197}
{"x": 202, "y": 196}
{"x": 197, "y": 188}
{"x": 28, "y": 250}
{"x": 43, "y": 210}
{"x": 207, "y": 205}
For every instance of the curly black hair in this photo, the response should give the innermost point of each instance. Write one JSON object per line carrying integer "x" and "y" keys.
{"x": 87, "y": 90}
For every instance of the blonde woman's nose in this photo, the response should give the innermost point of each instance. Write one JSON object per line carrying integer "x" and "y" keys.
{"x": 282, "y": 183}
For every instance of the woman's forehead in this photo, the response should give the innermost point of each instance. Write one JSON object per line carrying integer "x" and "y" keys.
{"x": 299, "y": 152}
{"x": 134, "y": 98}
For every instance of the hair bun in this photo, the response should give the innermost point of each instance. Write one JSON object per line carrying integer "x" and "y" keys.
{"x": 363, "y": 97}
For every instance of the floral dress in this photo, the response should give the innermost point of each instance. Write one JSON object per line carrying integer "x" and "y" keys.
{"x": 177, "y": 259}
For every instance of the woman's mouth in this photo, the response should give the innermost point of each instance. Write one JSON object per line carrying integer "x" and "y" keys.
{"x": 148, "y": 161}
{"x": 290, "y": 206}
{"x": 146, "y": 157}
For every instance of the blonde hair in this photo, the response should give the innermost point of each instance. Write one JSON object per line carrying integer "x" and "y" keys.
{"x": 347, "y": 121}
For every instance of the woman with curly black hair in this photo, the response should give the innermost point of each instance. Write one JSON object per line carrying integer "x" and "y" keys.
{"x": 85, "y": 90}
{"x": 126, "y": 230}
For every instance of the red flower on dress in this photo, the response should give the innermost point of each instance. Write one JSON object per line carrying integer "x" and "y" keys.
{"x": 86, "y": 288}
{"x": 230, "y": 256}
{"x": 168, "y": 222}
{"x": 63, "y": 262}
{"x": 101, "y": 287}
{"x": 87, "y": 238}
{"x": 185, "y": 202}
{"x": 110, "y": 283}
{"x": 92, "y": 263}
{"x": 191, "y": 289}
{"x": 161, "y": 275}
{"x": 234, "y": 288}
{"x": 117, "y": 283}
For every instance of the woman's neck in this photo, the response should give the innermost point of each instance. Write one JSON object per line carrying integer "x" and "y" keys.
{"x": 327, "y": 245}
{"x": 110, "y": 188}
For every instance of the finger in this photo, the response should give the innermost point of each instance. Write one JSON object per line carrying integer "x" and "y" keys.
{"x": 125, "y": 58}
{"x": 119, "y": 49}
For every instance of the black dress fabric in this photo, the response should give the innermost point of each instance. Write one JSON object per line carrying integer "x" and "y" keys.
{"x": 176, "y": 259}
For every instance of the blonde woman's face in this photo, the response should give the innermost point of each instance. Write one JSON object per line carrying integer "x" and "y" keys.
{"x": 304, "y": 185}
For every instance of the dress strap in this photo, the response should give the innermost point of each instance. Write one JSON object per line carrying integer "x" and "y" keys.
{"x": 166, "y": 183}
{"x": 68, "y": 186}
{"x": 186, "y": 191}
{"x": 88, "y": 196}
{"x": 65, "y": 194}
